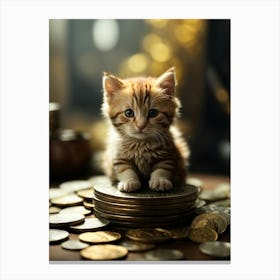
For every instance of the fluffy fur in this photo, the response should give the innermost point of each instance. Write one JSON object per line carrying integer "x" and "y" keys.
{"x": 143, "y": 144}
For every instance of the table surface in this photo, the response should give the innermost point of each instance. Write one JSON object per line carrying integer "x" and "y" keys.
{"x": 189, "y": 248}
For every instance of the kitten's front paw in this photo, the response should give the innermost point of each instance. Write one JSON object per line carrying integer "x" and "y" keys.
{"x": 129, "y": 185}
{"x": 160, "y": 184}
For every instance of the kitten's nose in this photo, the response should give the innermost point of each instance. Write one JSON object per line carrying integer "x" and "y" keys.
{"x": 141, "y": 126}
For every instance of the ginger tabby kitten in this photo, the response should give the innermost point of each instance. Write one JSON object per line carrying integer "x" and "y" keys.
{"x": 143, "y": 143}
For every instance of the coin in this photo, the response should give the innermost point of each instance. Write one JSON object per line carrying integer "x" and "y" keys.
{"x": 180, "y": 233}
{"x": 199, "y": 203}
{"x": 211, "y": 208}
{"x": 143, "y": 219}
{"x": 68, "y": 200}
{"x": 75, "y": 185}
{"x": 110, "y": 193}
{"x": 57, "y": 236}
{"x": 149, "y": 235}
{"x": 88, "y": 205}
{"x": 55, "y": 192}
{"x": 216, "y": 249}
{"x": 99, "y": 180}
{"x": 99, "y": 237}
{"x": 202, "y": 234}
{"x": 222, "y": 191}
{"x": 194, "y": 181}
{"x": 75, "y": 209}
{"x": 223, "y": 203}
{"x": 86, "y": 194}
{"x": 104, "y": 252}
{"x": 90, "y": 224}
{"x": 164, "y": 254}
{"x": 221, "y": 222}
{"x": 74, "y": 245}
{"x": 134, "y": 246}
{"x": 203, "y": 220}
{"x": 143, "y": 210}
{"x": 54, "y": 210}
{"x": 60, "y": 220}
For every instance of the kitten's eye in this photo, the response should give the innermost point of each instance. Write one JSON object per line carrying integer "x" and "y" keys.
{"x": 129, "y": 113}
{"x": 153, "y": 113}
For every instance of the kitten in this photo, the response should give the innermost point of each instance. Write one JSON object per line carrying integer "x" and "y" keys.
{"x": 143, "y": 143}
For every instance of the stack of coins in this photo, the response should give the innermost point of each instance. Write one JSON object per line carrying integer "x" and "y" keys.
{"x": 145, "y": 208}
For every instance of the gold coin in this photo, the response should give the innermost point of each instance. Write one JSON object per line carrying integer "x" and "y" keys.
{"x": 203, "y": 220}
{"x": 104, "y": 252}
{"x": 216, "y": 249}
{"x": 60, "y": 220}
{"x": 215, "y": 221}
{"x": 75, "y": 185}
{"x": 149, "y": 235}
{"x": 68, "y": 200}
{"x": 74, "y": 245}
{"x": 90, "y": 224}
{"x": 75, "y": 209}
{"x": 54, "y": 210}
{"x": 86, "y": 194}
{"x": 134, "y": 246}
{"x": 221, "y": 222}
{"x": 202, "y": 234}
{"x": 57, "y": 236}
{"x": 180, "y": 233}
{"x": 99, "y": 237}
{"x": 164, "y": 254}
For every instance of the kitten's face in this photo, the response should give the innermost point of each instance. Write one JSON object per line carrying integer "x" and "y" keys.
{"x": 141, "y": 107}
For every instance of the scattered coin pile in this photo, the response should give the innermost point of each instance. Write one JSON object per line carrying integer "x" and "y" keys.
{"x": 82, "y": 211}
{"x": 145, "y": 208}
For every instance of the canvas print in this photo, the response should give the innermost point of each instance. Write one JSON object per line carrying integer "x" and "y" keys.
{"x": 139, "y": 140}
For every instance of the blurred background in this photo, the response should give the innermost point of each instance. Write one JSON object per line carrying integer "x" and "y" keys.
{"x": 80, "y": 50}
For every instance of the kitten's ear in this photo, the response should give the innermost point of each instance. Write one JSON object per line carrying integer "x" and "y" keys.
{"x": 111, "y": 84}
{"x": 167, "y": 81}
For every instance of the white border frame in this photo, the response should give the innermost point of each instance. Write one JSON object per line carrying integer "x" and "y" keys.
{"x": 254, "y": 138}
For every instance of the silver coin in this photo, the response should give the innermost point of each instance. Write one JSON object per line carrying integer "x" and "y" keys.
{"x": 74, "y": 245}
{"x": 194, "y": 181}
{"x": 164, "y": 254}
{"x": 199, "y": 203}
{"x": 59, "y": 220}
{"x": 215, "y": 248}
{"x": 223, "y": 203}
{"x": 100, "y": 179}
{"x": 90, "y": 224}
{"x": 56, "y": 236}
{"x": 75, "y": 185}
{"x": 145, "y": 195}
{"x": 56, "y": 192}
{"x": 76, "y": 209}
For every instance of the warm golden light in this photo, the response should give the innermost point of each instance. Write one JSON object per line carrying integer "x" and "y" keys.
{"x": 160, "y": 52}
{"x": 222, "y": 95}
{"x": 149, "y": 40}
{"x": 137, "y": 63}
{"x": 157, "y": 23}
